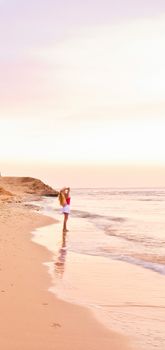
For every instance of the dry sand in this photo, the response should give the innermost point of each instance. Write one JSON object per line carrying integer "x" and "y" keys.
{"x": 32, "y": 318}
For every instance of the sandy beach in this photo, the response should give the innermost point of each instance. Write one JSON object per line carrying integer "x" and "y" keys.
{"x": 31, "y": 317}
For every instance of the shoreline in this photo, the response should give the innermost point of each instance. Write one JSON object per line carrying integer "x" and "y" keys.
{"x": 31, "y": 316}
{"x": 119, "y": 295}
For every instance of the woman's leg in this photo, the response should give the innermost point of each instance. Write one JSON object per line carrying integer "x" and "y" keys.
{"x": 65, "y": 222}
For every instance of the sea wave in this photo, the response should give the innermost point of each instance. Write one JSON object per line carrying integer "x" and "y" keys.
{"x": 87, "y": 215}
{"x": 157, "y": 267}
{"x": 147, "y": 240}
{"x": 150, "y": 261}
{"x": 105, "y": 223}
{"x": 154, "y": 263}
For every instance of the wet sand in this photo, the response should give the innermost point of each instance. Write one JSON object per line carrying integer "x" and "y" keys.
{"x": 31, "y": 317}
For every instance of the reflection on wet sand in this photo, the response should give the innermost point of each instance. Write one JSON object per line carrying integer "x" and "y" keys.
{"x": 60, "y": 262}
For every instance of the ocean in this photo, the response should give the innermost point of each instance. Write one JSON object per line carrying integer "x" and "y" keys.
{"x": 121, "y": 229}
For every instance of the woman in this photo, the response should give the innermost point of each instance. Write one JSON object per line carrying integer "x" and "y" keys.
{"x": 64, "y": 198}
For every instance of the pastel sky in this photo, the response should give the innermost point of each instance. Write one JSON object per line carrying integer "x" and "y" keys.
{"x": 82, "y": 91}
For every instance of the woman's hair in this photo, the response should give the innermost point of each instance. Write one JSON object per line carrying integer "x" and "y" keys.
{"x": 62, "y": 198}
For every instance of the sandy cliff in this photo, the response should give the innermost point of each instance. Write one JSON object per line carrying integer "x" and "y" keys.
{"x": 12, "y": 187}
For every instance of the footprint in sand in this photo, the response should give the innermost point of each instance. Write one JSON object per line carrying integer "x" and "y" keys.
{"x": 54, "y": 324}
